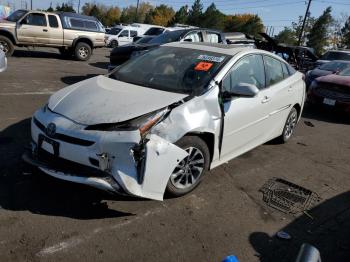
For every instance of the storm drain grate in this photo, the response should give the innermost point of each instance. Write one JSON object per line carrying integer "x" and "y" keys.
{"x": 287, "y": 197}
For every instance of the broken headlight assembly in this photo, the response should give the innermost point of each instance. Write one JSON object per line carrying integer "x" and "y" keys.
{"x": 142, "y": 123}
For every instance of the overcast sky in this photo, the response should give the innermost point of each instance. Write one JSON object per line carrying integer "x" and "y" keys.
{"x": 277, "y": 13}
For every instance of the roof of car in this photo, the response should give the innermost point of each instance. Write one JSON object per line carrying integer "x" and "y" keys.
{"x": 211, "y": 47}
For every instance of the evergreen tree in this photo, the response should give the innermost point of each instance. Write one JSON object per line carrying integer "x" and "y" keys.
{"x": 346, "y": 34}
{"x": 196, "y": 14}
{"x": 213, "y": 18}
{"x": 318, "y": 36}
{"x": 180, "y": 16}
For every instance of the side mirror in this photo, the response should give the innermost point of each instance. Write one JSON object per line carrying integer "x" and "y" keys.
{"x": 3, "y": 60}
{"x": 244, "y": 89}
{"x": 188, "y": 40}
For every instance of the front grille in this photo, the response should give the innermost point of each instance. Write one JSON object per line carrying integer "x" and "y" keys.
{"x": 64, "y": 138}
{"x": 67, "y": 166}
{"x": 333, "y": 93}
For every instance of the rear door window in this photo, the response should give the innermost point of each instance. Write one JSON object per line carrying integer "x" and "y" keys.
{"x": 53, "y": 22}
{"x": 77, "y": 23}
{"x": 194, "y": 37}
{"x": 213, "y": 37}
{"x": 274, "y": 71}
{"x": 133, "y": 33}
{"x": 90, "y": 25}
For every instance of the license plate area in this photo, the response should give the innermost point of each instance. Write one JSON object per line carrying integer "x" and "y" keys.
{"x": 49, "y": 145}
{"x": 330, "y": 102}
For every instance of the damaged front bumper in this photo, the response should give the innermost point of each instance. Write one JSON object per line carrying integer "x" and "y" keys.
{"x": 115, "y": 161}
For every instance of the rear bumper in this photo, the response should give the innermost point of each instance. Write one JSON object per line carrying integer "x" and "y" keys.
{"x": 317, "y": 99}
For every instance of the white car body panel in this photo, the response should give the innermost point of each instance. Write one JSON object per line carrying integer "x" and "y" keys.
{"x": 3, "y": 61}
{"x": 248, "y": 123}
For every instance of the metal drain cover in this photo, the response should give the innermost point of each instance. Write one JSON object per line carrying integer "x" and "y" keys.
{"x": 287, "y": 197}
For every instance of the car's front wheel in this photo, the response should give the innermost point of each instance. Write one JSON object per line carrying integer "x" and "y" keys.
{"x": 189, "y": 172}
{"x": 114, "y": 43}
{"x": 289, "y": 126}
{"x": 6, "y": 45}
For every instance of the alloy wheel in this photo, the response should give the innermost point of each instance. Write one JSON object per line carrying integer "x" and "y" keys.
{"x": 290, "y": 125}
{"x": 4, "y": 46}
{"x": 189, "y": 170}
{"x": 83, "y": 52}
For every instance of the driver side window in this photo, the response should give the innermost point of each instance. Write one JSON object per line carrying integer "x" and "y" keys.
{"x": 124, "y": 33}
{"x": 248, "y": 70}
{"x": 35, "y": 19}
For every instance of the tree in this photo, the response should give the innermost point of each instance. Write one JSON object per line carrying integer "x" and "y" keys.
{"x": 107, "y": 15}
{"x": 346, "y": 34}
{"x": 246, "y": 23}
{"x": 213, "y": 18}
{"x": 65, "y": 7}
{"x": 129, "y": 13}
{"x": 161, "y": 15}
{"x": 318, "y": 36}
{"x": 287, "y": 36}
{"x": 180, "y": 16}
{"x": 196, "y": 13}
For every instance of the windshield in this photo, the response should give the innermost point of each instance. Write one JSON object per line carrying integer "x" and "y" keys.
{"x": 172, "y": 69}
{"x": 334, "y": 66}
{"x": 336, "y": 56}
{"x": 167, "y": 37}
{"x": 154, "y": 31}
{"x": 15, "y": 16}
{"x": 144, "y": 40}
{"x": 114, "y": 31}
{"x": 345, "y": 72}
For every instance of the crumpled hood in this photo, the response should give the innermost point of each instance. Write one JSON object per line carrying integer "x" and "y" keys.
{"x": 104, "y": 100}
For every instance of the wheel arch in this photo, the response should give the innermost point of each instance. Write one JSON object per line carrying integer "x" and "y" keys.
{"x": 9, "y": 35}
{"x": 208, "y": 138}
{"x": 298, "y": 108}
{"x": 83, "y": 39}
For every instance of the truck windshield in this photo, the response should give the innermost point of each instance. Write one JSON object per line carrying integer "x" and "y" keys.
{"x": 172, "y": 69}
{"x": 15, "y": 16}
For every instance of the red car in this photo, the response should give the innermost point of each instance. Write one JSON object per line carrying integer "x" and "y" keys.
{"x": 332, "y": 91}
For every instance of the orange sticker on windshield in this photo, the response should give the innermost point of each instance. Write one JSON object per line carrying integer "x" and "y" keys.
{"x": 203, "y": 66}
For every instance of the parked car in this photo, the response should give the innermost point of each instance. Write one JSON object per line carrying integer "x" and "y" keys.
{"x": 122, "y": 35}
{"x": 332, "y": 67}
{"x": 3, "y": 61}
{"x": 192, "y": 107}
{"x": 71, "y": 33}
{"x": 120, "y": 55}
{"x": 331, "y": 91}
{"x": 152, "y": 31}
{"x": 333, "y": 55}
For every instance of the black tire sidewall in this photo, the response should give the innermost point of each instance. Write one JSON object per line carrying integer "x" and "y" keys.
{"x": 114, "y": 43}
{"x": 185, "y": 142}
{"x": 76, "y": 51}
{"x": 9, "y": 44}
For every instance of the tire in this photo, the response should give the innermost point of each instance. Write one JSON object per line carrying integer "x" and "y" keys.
{"x": 289, "y": 126}
{"x": 185, "y": 176}
{"x": 7, "y": 45}
{"x": 82, "y": 51}
{"x": 114, "y": 43}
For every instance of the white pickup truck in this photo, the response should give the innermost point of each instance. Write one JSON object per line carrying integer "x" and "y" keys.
{"x": 73, "y": 34}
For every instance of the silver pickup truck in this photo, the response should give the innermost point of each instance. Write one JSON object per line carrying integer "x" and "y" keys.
{"x": 73, "y": 34}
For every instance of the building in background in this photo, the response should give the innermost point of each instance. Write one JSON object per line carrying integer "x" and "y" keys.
{"x": 4, "y": 11}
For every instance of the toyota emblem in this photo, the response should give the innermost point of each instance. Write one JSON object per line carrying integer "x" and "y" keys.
{"x": 51, "y": 130}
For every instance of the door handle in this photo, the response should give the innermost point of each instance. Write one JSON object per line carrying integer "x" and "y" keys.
{"x": 45, "y": 30}
{"x": 290, "y": 89}
{"x": 266, "y": 99}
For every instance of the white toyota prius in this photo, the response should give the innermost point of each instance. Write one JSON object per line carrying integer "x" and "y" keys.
{"x": 157, "y": 123}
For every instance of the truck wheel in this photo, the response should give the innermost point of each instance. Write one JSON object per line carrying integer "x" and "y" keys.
{"x": 114, "y": 43}
{"x": 7, "y": 45}
{"x": 189, "y": 172}
{"x": 82, "y": 51}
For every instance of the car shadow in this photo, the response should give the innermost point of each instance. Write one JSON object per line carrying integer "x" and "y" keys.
{"x": 23, "y": 187}
{"x": 325, "y": 114}
{"x": 326, "y": 226}
{"x": 102, "y": 65}
{"x": 40, "y": 54}
{"x": 70, "y": 80}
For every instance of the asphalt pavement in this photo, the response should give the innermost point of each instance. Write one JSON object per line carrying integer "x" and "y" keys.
{"x": 44, "y": 219}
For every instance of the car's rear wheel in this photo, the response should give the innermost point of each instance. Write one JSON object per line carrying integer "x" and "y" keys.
{"x": 289, "y": 126}
{"x": 7, "y": 45}
{"x": 82, "y": 51}
{"x": 114, "y": 43}
{"x": 189, "y": 172}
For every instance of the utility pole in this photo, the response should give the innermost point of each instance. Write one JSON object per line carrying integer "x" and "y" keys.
{"x": 79, "y": 7}
{"x": 303, "y": 26}
{"x": 137, "y": 9}
{"x": 31, "y": 4}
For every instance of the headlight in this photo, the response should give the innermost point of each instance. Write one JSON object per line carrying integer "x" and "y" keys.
{"x": 143, "y": 123}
